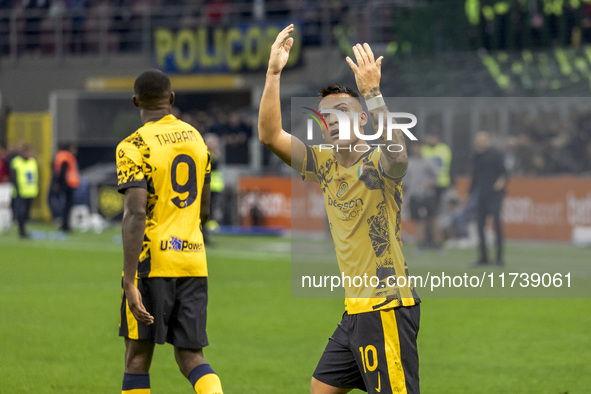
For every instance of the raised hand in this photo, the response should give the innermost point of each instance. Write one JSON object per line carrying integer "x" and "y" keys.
{"x": 280, "y": 51}
{"x": 368, "y": 71}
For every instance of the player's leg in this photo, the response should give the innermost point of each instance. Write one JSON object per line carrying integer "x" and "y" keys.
{"x": 408, "y": 322}
{"x": 140, "y": 339}
{"x": 415, "y": 216}
{"x": 495, "y": 210}
{"x": 337, "y": 371}
{"x": 430, "y": 213}
{"x": 138, "y": 355}
{"x": 194, "y": 367}
{"x": 435, "y": 212}
{"x": 188, "y": 359}
{"x": 318, "y": 387}
{"x": 28, "y": 203}
{"x": 68, "y": 204}
{"x": 138, "y": 358}
{"x": 421, "y": 231}
{"x": 20, "y": 214}
{"x": 481, "y": 213}
{"x": 386, "y": 343}
{"x": 187, "y": 334}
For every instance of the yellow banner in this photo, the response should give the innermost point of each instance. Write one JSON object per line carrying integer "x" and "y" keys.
{"x": 222, "y": 49}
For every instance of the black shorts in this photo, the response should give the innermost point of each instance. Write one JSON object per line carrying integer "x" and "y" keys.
{"x": 422, "y": 208}
{"x": 374, "y": 352}
{"x": 439, "y": 193}
{"x": 179, "y": 307}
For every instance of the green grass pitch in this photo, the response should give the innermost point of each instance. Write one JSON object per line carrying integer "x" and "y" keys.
{"x": 59, "y": 303}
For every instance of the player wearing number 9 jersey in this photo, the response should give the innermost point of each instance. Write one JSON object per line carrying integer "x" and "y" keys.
{"x": 163, "y": 169}
{"x": 169, "y": 159}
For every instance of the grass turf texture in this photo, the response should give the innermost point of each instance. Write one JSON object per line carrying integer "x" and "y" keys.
{"x": 59, "y": 304}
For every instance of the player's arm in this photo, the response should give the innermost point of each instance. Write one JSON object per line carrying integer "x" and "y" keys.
{"x": 206, "y": 194}
{"x": 12, "y": 176}
{"x": 133, "y": 226}
{"x": 501, "y": 181}
{"x": 368, "y": 72}
{"x": 472, "y": 173}
{"x": 205, "y": 204}
{"x": 288, "y": 148}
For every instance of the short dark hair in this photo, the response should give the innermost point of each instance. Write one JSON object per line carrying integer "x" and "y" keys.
{"x": 66, "y": 146}
{"x": 335, "y": 88}
{"x": 151, "y": 86}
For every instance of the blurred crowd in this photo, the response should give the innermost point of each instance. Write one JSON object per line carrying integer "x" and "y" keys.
{"x": 546, "y": 148}
{"x": 533, "y": 24}
{"x": 81, "y": 22}
{"x": 233, "y": 131}
{"x": 419, "y": 27}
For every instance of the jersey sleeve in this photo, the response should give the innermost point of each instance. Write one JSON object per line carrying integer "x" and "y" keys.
{"x": 315, "y": 163}
{"x": 389, "y": 181}
{"x": 310, "y": 166}
{"x": 129, "y": 167}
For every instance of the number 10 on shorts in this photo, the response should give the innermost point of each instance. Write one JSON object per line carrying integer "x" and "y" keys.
{"x": 369, "y": 358}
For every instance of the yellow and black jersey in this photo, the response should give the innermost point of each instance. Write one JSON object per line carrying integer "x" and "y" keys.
{"x": 363, "y": 206}
{"x": 169, "y": 159}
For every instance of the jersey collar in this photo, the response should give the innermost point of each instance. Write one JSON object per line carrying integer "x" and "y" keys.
{"x": 154, "y": 120}
{"x": 365, "y": 154}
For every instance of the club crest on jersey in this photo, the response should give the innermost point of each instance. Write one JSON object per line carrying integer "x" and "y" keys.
{"x": 343, "y": 187}
{"x": 180, "y": 245}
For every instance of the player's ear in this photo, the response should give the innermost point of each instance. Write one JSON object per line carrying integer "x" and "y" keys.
{"x": 363, "y": 118}
{"x": 135, "y": 101}
{"x": 171, "y": 99}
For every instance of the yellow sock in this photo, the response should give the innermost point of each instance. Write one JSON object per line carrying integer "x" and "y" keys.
{"x": 205, "y": 381}
{"x": 209, "y": 384}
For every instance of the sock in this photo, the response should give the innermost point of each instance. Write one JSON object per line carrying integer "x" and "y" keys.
{"x": 136, "y": 383}
{"x": 204, "y": 380}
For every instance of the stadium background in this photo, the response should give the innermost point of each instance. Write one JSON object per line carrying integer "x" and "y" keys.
{"x": 66, "y": 75}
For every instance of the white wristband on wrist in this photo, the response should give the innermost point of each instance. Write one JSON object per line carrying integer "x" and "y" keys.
{"x": 375, "y": 102}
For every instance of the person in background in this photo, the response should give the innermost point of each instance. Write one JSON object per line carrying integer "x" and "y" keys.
{"x": 511, "y": 158}
{"x": 439, "y": 154}
{"x": 216, "y": 186}
{"x": 5, "y": 191}
{"x": 419, "y": 186}
{"x": 14, "y": 150}
{"x": 66, "y": 180}
{"x": 489, "y": 179}
{"x": 236, "y": 136}
{"x": 587, "y": 162}
{"x": 24, "y": 178}
{"x": 4, "y": 165}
